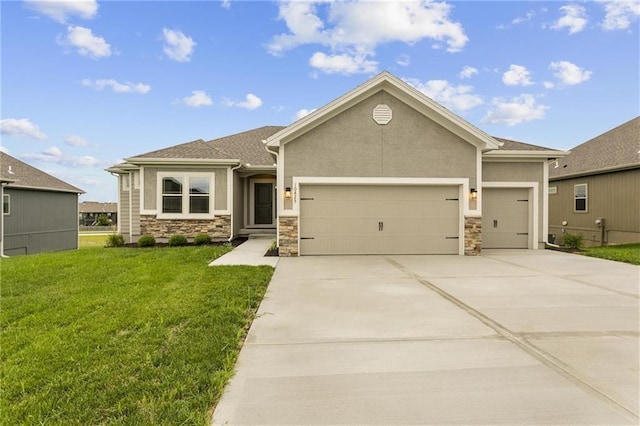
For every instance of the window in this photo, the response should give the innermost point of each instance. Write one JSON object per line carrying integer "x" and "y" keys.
{"x": 187, "y": 195}
{"x": 5, "y": 204}
{"x": 126, "y": 182}
{"x": 580, "y": 197}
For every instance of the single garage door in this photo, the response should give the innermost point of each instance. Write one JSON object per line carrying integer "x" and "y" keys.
{"x": 364, "y": 219}
{"x": 505, "y": 218}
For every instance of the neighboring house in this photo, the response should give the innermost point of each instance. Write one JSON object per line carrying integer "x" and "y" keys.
{"x": 90, "y": 211}
{"x": 595, "y": 190}
{"x": 40, "y": 212}
{"x": 381, "y": 170}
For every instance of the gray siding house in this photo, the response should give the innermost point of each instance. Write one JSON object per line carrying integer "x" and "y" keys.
{"x": 383, "y": 169}
{"x": 595, "y": 190}
{"x": 40, "y": 212}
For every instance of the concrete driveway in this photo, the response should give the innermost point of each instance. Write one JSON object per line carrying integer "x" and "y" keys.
{"x": 511, "y": 337}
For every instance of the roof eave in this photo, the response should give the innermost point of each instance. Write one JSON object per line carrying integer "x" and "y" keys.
{"x": 180, "y": 161}
{"x": 537, "y": 154}
{"x": 596, "y": 172}
{"x": 45, "y": 188}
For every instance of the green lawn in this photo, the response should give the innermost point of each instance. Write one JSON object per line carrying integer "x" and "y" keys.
{"x": 121, "y": 336}
{"x": 629, "y": 253}
{"x": 93, "y": 240}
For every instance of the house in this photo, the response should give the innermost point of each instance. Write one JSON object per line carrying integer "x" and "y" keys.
{"x": 90, "y": 211}
{"x": 40, "y": 212}
{"x": 595, "y": 190}
{"x": 382, "y": 169}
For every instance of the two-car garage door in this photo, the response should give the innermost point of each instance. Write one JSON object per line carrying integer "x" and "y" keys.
{"x": 369, "y": 219}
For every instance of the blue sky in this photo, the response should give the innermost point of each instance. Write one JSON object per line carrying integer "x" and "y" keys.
{"x": 87, "y": 83}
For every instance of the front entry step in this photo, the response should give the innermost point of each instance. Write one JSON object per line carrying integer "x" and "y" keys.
{"x": 267, "y": 233}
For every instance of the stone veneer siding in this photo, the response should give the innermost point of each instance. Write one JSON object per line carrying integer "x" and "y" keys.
{"x": 288, "y": 231}
{"x": 472, "y": 235}
{"x": 218, "y": 227}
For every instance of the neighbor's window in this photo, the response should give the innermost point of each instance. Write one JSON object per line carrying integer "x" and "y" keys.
{"x": 5, "y": 204}
{"x": 580, "y": 197}
{"x": 185, "y": 195}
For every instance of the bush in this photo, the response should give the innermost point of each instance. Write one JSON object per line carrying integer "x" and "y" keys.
{"x": 103, "y": 220}
{"x": 115, "y": 240}
{"x": 177, "y": 240}
{"x": 573, "y": 241}
{"x": 146, "y": 241}
{"x": 202, "y": 239}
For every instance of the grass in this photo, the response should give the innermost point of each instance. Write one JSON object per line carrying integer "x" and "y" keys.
{"x": 121, "y": 336}
{"x": 93, "y": 240}
{"x": 628, "y": 253}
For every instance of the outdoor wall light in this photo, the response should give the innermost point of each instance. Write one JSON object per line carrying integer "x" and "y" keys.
{"x": 474, "y": 194}
{"x": 287, "y": 192}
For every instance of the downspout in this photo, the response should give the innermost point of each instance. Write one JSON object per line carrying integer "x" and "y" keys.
{"x": 277, "y": 154}
{"x": 233, "y": 169}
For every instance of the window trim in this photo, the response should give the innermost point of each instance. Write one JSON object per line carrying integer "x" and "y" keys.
{"x": 585, "y": 198}
{"x": 8, "y": 198}
{"x": 185, "y": 195}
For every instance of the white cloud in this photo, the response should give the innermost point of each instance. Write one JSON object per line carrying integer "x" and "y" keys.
{"x": 529, "y": 16}
{"x": 454, "y": 97}
{"x": 517, "y": 76}
{"x": 342, "y": 64}
{"x": 575, "y": 18}
{"x": 61, "y": 10}
{"x": 86, "y": 44}
{"x": 354, "y": 29}
{"x": 303, "y": 113}
{"x": 5, "y": 150}
{"x": 403, "y": 60}
{"x": 53, "y": 154}
{"x": 21, "y": 127}
{"x": 197, "y": 99}
{"x": 548, "y": 84}
{"x": 467, "y": 72}
{"x": 619, "y": 14}
{"x": 116, "y": 86}
{"x": 226, "y": 4}
{"x": 74, "y": 140}
{"x": 515, "y": 110}
{"x": 569, "y": 73}
{"x": 251, "y": 102}
{"x": 178, "y": 46}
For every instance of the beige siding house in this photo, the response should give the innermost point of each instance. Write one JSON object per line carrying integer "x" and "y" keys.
{"x": 382, "y": 169}
{"x": 595, "y": 190}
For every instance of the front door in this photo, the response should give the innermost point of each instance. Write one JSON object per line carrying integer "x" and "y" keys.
{"x": 263, "y": 204}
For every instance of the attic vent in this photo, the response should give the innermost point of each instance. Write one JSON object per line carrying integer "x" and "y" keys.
{"x": 382, "y": 114}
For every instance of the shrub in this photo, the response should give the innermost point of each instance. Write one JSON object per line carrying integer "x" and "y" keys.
{"x": 202, "y": 239}
{"x": 573, "y": 241}
{"x": 103, "y": 220}
{"x": 146, "y": 241}
{"x": 115, "y": 240}
{"x": 177, "y": 240}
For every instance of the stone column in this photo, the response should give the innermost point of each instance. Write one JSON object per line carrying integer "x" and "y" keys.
{"x": 472, "y": 235}
{"x": 288, "y": 233}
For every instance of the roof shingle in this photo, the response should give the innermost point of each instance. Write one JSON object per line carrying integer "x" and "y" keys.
{"x": 22, "y": 175}
{"x": 618, "y": 148}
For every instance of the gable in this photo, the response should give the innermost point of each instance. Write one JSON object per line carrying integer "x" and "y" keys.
{"x": 352, "y": 143}
{"x": 402, "y": 91}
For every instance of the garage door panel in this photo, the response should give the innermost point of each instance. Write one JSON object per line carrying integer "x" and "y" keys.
{"x": 347, "y": 219}
{"x": 505, "y": 218}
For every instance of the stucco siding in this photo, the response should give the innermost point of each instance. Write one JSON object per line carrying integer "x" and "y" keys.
{"x": 40, "y": 221}
{"x": 353, "y": 144}
{"x": 151, "y": 184}
{"x": 612, "y": 196}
